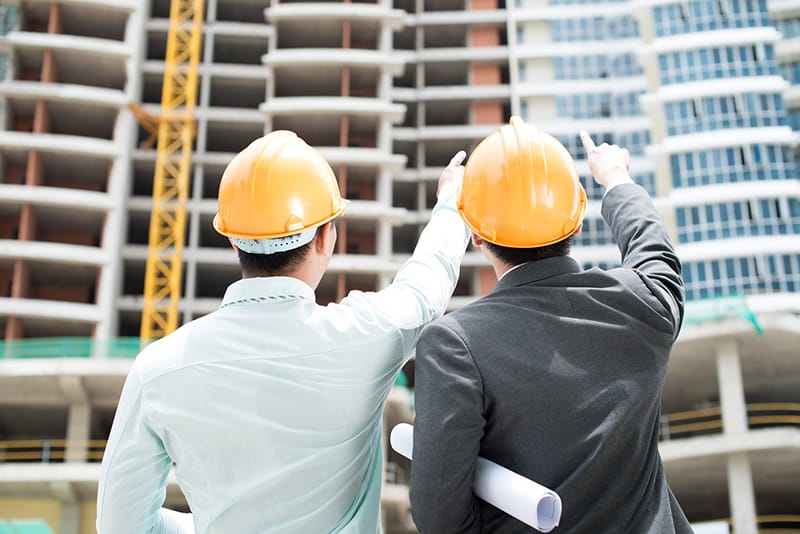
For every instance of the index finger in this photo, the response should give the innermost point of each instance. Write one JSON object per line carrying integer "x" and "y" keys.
{"x": 457, "y": 159}
{"x": 588, "y": 144}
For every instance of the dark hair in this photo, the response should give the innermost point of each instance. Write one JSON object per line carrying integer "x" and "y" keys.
{"x": 273, "y": 264}
{"x": 518, "y": 256}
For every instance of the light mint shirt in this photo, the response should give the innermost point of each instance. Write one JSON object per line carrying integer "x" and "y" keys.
{"x": 270, "y": 407}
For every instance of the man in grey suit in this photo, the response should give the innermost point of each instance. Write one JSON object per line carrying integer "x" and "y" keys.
{"x": 556, "y": 373}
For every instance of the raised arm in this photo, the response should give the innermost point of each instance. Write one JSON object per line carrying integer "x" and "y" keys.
{"x": 424, "y": 284}
{"x": 643, "y": 241}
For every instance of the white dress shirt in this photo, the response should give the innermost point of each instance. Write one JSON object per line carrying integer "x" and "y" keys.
{"x": 270, "y": 407}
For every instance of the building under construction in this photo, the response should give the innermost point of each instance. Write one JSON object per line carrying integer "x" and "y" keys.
{"x": 704, "y": 93}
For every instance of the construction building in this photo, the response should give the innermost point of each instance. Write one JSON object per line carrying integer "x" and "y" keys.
{"x": 704, "y": 93}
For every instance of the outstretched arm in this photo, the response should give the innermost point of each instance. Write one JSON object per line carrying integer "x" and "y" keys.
{"x": 424, "y": 284}
{"x": 642, "y": 239}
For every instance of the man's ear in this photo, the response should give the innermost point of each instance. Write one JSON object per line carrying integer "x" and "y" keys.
{"x": 325, "y": 239}
{"x": 477, "y": 241}
{"x": 235, "y": 248}
{"x": 578, "y": 230}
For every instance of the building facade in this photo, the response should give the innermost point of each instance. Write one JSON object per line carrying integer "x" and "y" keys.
{"x": 704, "y": 94}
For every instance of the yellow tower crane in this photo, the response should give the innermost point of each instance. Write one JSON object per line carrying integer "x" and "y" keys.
{"x": 175, "y": 130}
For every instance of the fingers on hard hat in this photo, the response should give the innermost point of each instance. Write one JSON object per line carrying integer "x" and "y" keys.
{"x": 588, "y": 144}
{"x": 457, "y": 159}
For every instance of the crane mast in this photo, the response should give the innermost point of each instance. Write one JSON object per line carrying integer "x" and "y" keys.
{"x": 176, "y": 131}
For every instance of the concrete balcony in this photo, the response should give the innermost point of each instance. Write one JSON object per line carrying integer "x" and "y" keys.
{"x": 465, "y": 53}
{"x": 718, "y": 87}
{"x": 50, "y": 310}
{"x": 91, "y": 201}
{"x": 311, "y": 11}
{"x": 298, "y": 59}
{"x": 334, "y": 105}
{"x": 453, "y": 93}
{"x": 79, "y": 60}
{"x": 718, "y": 38}
{"x": 62, "y": 92}
{"x": 778, "y": 135}
{"x": 481, "y": 17}
{"x": 66, "y": 144}
{"x": 64, "y": 254}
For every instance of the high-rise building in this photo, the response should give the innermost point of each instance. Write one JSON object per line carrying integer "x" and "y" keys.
{"x": 704, "y": 94}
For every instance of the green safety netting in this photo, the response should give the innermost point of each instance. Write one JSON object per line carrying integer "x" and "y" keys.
{"x": 70, "y": 347}
{"x": 25, "y": 526}
{"x": 8, "y": 19}
{"x": 717, "y": 308}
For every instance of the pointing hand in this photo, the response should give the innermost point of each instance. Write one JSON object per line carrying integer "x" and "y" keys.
{"x": 608, "y": 164}
{"x": 453, "y": 172}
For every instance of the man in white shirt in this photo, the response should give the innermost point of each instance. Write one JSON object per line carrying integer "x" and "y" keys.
{"x": 270, "y": 407}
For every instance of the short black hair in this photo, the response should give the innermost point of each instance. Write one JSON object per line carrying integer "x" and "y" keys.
{"x": 518, "y": 256}
{"x": 273, "y": 264}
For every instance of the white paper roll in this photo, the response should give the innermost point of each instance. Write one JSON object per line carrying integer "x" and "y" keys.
{"x": 520, "y": 497}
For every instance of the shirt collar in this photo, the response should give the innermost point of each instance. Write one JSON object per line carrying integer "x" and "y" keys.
{"x": 534, "y": 271}
{"x": 267, "y": 288}
{"x": 511, "y": 269}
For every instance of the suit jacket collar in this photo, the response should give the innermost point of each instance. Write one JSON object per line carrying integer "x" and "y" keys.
{"x": 534, "y": 271}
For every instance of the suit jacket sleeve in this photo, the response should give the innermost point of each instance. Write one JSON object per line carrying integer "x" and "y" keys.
{"x": 645, "y": 247}
{"x": 447, "y": 433}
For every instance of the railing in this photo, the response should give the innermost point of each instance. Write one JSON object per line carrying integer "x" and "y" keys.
{"x": 70, "y": 347}
{"x": 52, "y": 450}
{"x": 24, "y": 526}
{"x": 784, "y": 524}
{"x": 709, "y": 420}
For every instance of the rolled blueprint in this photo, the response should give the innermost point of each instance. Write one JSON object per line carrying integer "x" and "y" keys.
{"x": 520, "y": 497}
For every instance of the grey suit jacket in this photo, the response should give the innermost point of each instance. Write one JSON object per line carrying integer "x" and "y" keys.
{"x": 557, "y": 375}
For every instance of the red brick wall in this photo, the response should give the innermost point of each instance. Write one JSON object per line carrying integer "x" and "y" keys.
{"x": 487, "y": 113}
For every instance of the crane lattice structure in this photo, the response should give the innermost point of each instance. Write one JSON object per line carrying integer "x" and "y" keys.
{"x": 175, "y": 132}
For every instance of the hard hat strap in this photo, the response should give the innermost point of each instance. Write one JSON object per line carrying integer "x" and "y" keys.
{"x": 273, "y": 245}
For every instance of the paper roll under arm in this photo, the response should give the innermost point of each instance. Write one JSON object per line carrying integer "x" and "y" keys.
{"x": 519, "y": 497}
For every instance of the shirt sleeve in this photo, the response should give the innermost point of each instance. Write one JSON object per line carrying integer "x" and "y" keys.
{"x": 448, "y": 429}
{"x": 424, "y": 284}
{"x": 134, "y": 472}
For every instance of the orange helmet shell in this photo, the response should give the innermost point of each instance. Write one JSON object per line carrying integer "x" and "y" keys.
{"x": 277, "y": 186}
{"x": 521, "y": 189}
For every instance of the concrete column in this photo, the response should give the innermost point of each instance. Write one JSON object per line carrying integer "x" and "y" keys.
{"x": 741, "y": 495}
{"x": 70, "y": 518}
{"x": 79, "y": 418}
{"x": 114, "y": 232}
{"x": 78, "y": 432}
{"x": 731, "y": 389}
{"x": 734, "y": 422}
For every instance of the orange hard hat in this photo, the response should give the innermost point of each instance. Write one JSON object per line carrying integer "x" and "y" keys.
{"x": 276, "y": 187}
{"x": 521, "y": 189}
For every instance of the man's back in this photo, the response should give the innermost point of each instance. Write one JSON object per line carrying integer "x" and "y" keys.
{"x": 556, "y": 374}
{"x": 571, "y": 358}
{"x": 270, "y": 411}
